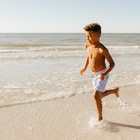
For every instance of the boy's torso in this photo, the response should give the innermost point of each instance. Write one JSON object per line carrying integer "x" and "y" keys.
{"x": 96, "y": 58}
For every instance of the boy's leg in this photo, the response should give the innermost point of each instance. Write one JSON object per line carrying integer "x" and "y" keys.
{"x": 108, "y": 92}
{"x": 98, "y": 101}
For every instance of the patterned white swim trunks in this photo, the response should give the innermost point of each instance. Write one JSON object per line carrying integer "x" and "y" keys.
{"x": 99, "y": 84}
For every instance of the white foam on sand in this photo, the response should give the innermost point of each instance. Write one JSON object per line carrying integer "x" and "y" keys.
{"x": 122, "y": 103}
{"x": 93, "y": 122}
{"x": 87, "y": 121}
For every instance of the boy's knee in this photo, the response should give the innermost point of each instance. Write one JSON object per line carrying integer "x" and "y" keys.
{"x": 96, "y": 95}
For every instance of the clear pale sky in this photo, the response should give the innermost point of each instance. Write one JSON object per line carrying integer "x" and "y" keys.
{"x": 51, "y": 16}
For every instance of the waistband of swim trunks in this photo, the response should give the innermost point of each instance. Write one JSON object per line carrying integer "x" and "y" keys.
{"x": 99, "y": 72}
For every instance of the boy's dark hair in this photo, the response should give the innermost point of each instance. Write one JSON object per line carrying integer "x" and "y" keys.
{"x": 95, "y": 27}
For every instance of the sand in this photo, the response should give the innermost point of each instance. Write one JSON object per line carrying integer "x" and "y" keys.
{"x": 74, "y": 118}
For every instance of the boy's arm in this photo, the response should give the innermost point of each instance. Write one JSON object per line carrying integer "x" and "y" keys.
{"x": 110, "y": 61}
{"x": 86, "y": 63}
{"x": 85, "y": 67}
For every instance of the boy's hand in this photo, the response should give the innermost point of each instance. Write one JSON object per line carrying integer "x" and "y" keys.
{"x": 102, "y": 76}
{"x": 82, "y": 71}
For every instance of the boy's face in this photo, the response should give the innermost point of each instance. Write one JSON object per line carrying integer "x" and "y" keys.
{"x": 92, "y": 37}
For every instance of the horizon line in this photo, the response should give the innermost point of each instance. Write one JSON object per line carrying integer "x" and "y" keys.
{"x": 66, "y": 32}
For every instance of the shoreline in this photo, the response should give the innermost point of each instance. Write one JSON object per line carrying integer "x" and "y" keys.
{"x": 69, "y": 118}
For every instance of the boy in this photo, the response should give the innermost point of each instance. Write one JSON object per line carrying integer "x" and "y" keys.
{"x": 96, "y": 55}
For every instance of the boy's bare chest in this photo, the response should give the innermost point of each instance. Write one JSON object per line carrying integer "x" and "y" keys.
{"x": 94, "y": 53}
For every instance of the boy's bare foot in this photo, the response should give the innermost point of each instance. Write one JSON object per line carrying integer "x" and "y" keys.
{"x": 100, "y": 119}
{"x": 117, "y": 92}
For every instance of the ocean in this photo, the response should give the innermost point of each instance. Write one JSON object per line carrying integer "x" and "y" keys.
{"x": 41, "y": 67}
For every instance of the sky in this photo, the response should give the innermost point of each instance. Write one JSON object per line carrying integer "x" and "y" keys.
{"x": 69, "y": 16}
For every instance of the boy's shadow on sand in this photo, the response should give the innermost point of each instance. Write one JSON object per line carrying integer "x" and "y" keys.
{"x": 113, "y": 127}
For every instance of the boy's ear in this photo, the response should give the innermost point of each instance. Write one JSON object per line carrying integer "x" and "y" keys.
{"x": 99, "y": 35}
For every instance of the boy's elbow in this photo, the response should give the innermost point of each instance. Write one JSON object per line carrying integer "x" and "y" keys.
{"x": 113, "y": 65}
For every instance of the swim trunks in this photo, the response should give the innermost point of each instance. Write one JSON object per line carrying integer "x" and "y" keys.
{"x": 99, "y": 84}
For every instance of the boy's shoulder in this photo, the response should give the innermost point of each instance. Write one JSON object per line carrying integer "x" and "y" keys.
{"x": 102, "y": 47}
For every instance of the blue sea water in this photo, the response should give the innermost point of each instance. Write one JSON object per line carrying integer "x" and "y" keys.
{"x": 40, "y": 67}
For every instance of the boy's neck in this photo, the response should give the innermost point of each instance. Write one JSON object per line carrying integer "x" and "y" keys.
{"x": 95, "y": 44}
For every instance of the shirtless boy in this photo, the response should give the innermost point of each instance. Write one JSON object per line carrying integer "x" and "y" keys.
{"x": 96, "y": 55}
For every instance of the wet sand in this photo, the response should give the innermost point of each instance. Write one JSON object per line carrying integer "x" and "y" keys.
{"x": 74, "y": 118}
